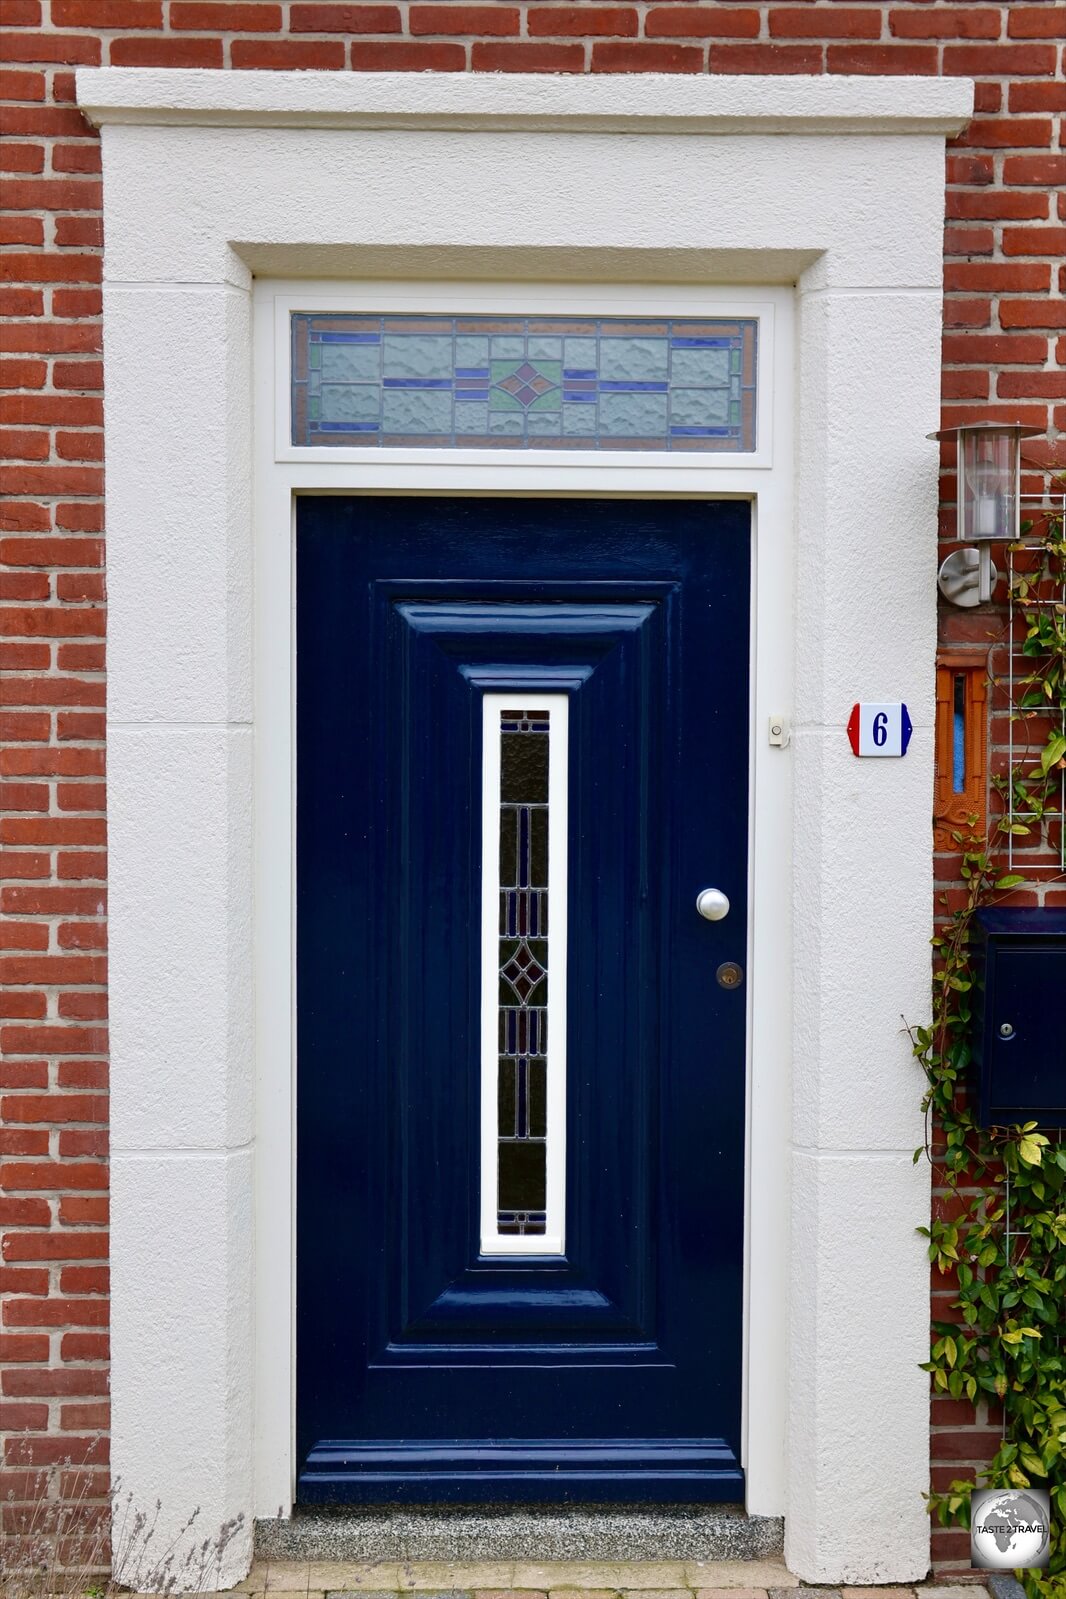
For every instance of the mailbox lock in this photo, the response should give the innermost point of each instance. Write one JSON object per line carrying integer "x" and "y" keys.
{"x": 1006, "y": 1030}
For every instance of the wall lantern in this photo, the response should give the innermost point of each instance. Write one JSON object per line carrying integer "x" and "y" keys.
{"x": 987, "y": 505}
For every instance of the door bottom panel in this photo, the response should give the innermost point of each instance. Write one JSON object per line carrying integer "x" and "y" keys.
{"x": 487, "y": 1470}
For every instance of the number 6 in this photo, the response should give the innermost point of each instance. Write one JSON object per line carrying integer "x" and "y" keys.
{"x": 880, "y": 728}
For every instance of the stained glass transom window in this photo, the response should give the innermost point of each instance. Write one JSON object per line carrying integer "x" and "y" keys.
{"x": 535, "y": 383}
{"x": 523, "y": 969}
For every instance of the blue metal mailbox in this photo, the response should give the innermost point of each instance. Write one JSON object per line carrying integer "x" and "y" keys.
{"x": 1020, "y": 1020}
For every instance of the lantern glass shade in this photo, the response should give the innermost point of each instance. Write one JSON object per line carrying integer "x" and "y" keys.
{"x": 989, "y": 479}
{"x": 988, "y": 483}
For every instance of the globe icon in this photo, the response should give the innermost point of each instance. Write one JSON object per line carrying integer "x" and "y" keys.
{"x": 1009, "y": 1530}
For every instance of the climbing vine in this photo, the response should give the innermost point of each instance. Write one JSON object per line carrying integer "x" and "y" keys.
{"x": 1000, "y": 1239}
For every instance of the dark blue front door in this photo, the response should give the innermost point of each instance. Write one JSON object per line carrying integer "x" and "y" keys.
{"x": 520, "y": 1128}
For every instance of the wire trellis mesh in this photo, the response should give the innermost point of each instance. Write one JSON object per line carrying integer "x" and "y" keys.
{"x": 1034, "y": 802}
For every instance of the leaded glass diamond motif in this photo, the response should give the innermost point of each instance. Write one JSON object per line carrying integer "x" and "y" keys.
{"x": 523, "y": 969}
{"x": 537, "y": 383}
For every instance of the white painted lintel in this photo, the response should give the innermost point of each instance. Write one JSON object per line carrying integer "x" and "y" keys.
{"x": 649, "y": 103}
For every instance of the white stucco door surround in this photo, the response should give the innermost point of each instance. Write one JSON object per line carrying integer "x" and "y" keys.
{"x": 822, "y": 197}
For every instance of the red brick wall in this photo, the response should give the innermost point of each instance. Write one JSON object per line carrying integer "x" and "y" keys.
{"x": 1005, "y": 313}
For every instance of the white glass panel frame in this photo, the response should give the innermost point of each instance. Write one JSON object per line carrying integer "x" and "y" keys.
{"x": 553, "y": 1240}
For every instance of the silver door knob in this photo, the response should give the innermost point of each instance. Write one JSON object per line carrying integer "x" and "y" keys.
{"x": 712, "y": 904}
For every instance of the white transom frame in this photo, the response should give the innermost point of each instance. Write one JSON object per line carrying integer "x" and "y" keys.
{"x": 832, "y": 185}
{"x": 762, "y": 477}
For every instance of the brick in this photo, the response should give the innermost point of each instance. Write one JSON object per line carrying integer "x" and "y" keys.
{"x": 51, "y": 480}
{"x": 85, "y": 1346}
{"x": 408, "y": 56}
{"x": 78, "y": 375}
{"x": 55, "y": 1313}
{"x": 24, "y": 864}
{"x": 74, "y": 1418}
{"x": 76, "y": 158}
{"x": 85, "y": 1210}
{"x": 48, "y": 621}
{"x": 999, "y": 133}
{"x": 1042, "y": 169}
{"x": 476, "y": 20}
{"x": 22, "y": 1417}
{"x": 955, "y": 22}
{"x": 19, "y": 657}
{"x": 23, "y": 374}
{"x": 1027, "y": 385}
{"x": 84, "y": 1280}
{"x": 214, "y": 18}
{"x": 26, "y": 969}
{"x": 90, "y": 1007}
{"x": 327, "y": 18}
{"x": 998, "y": 60}
{"x": 987, "y": 349}
{"x": 1007, "y": 204}
{"x": 33, "y": 900}
{"x": 79, "y": 446}
{"x": 72, "y": 49}
{"x": 51, "y": 410}
{"x": 33, "y": 1382}
{"x": 1032, "y": 313}
{"x": 1035, "y": 241}
{"x": 1036, "y": 96}
{"x": 24, "y": 796}
{"x": 80, "y": 517}
{"x": 50, "y": 552}
{"x": 766, "y": 58}
{"x": 23, "y": 1280}
{"x": 54, "y": 691}
{"x": 79, "y": 865}
{"x": 642, "y": 57}
{"x": 68, "y": 1108}
{"x": 80, "y": 796}
{"x": 44, "y": 1175}
{"x": 82, "y": 935}
{"x": 902, "y": 59}
{"x": 51, "y": 121}
{"x": 22, "y": 85}
{"x": 702, "y": 22}
{"x": 21, "y": 230}
{"x": 80, "y": 586}
{"x": 80, "y": 725}
{"x": 25, "y": 935}
{"x": 167, "y": 52}
{"x": 20, "y": 1140}
{"x": 80, "y": 231}
{"x": 22, "y": 13}
{"x": 41, "y": 268}
{"x": 54, "y": 1041}
{"x": 1035, "y": 22}
{"x": 966, "y": 168}
{"x": 23, "y": 1212}
{"x": 107, "y": 14}
{"x": 26, "y": 586}
{"x": 31, "y": 728}
{"x": 22, "y": 516}
{"x": 997, "y": 277}
{"x": 22, "y": 444}
{"x": 21, "y": 302}
{"x": 51, "y": 338}
{"x": 80, "y": 657}
{"x": 65, "y": 1450}
{"x": 23, "y": 1346}
{"x": 283, "y": 54}
{"x": 77, "y": 302}
{"x": 22, "y": 158}
{"x": 842, "y": 22}
{"x": 974, "y": 1444}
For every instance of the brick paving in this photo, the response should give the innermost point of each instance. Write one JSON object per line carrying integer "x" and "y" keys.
{"x": 561, "y": 1579}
